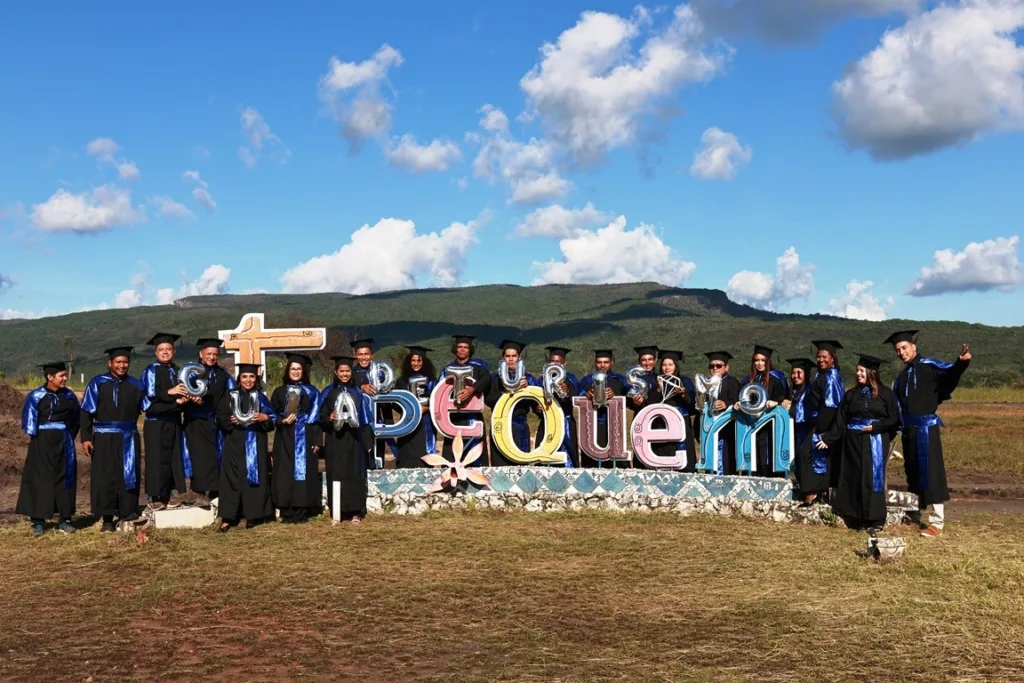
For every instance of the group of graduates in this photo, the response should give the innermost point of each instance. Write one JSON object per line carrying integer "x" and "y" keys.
{"x": 842, "y": 436}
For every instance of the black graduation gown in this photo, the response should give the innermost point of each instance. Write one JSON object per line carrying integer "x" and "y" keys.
{"x": 110, "y": 413}
{"x": 728, "y": 393}
{"x": 817, "y": 470}
{"x": 49, "y": 478}
{"x": 385, "y": 414}
{"x": 422, "y": 440}
{"x": 481, "y": 387}
{"x": 860, "y": 495}
{"x": 241, "y": 495}
{"x": 569, "y": 444}
{"x": 766, "y": 436}
{"x": 801, "y": 419}
{"x": 920, "y": 388}
{"x": 289, "y": 491}
{"x": 520, "y": 426}
{"x": 162, "y": 432}
{"x": 346, "y": 451}
{"x": 202, "y": 441}
{"x": 686, "y": 406}
{"x": 619, "y": 386}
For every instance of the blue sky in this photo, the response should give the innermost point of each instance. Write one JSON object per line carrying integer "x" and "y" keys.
{"x": 789, "y": 152}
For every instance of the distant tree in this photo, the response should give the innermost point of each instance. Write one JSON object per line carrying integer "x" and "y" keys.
{"x": 70, "y": 352}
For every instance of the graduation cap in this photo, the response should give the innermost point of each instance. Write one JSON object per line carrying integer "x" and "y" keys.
{"x": 870, "y": 362}
{"x": 118, "y": 351}
{"x": 765, "y": 351}
{"x": 604, "y": 353}
{"x": 419, "y": 350}
{"x": 463, "y": 338}
{"x": 830, "y": 345}
{"x": 642, "y": 351}
{"x": 677, "y": 356}
{"x": 53, "y": 367}
{"x": 209, "y": 343}
{"x": 300, "y": 358}
{"x": 557, "y": 351}
{"x": 724, "y": 356}
{"x": 163, "y": 338}
{"x": 363, "y": 344}
{"x": 901, "y": 336}
{"x": 512, "y": 344}
{"x": 343, "y": 360}
{"x": 806, "y": 363}
{"x": 243, "y": 368}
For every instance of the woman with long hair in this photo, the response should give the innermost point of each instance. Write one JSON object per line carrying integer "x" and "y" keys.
{"x": 796, "y": 402}
{"x": 245, "y": 464}
{"x": 762, "y": 372}
{"x": 867, "y": 419}
{"x": 347, "y": 446}
{"x": 297, "y": 490}
{"x": 419, "y": 377}
{"x": 664, "y": 390}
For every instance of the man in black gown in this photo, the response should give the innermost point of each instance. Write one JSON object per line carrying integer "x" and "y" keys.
{"x": 615, "y": 385}
{"x": 728, "y": 395}
{"x": 818, "y": 469}
{"x": 202, "y": 442}
{"x": 111, "y": 407}
{"x": 50, "y": 416}
{"x": 161, "y": 432}
{"x": 647, "y": 358}
{"x": 362, "y": 349}
{"x": 571, "y": 387}
{"x": 920, "y": 388}
{"x": 463, "y": 350}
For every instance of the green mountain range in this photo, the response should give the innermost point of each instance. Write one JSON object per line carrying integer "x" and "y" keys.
{"x": 582, "y": 317}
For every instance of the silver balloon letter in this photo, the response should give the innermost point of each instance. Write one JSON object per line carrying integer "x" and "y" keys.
{"x": 510, "y": 380}
{"x": 459, "y": 376}
{"x": 637, "y": 382}
{"x": 599, "y": 389}
{"x": 382, "y": 376}
{"x": 418, "y": 387}
{"x": 753, "y": 399}
{"x": 244, "y": 405}
{"x": 554, "y": 376}
{"x": 193, "y": 376}
{"x": 345, "y": 407}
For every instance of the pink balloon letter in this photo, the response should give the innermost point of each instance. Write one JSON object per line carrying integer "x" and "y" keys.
{"x": 645, "y": 435}
{"x": 617, "y": 447}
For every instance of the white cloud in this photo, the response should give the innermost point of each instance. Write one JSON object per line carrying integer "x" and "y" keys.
{"x": 591, "y": 91}
{"x": 790, "y": 21}
{"x": 193, "y": 176}
{"x": 13, "y": 314}
{"x": 438, "y": 155}
{"x": 104, "y": 150}
{"x": 258, "y": 135}
{"x": 369, "y": 262}
{"x": 981, "y": 266}
{"x": 213, "y": 280}
{"x": 101, "y": 209}
{"x": 791, "y": 281}
{"x": 614, "y": 254}
{"x": 947, "y": 77}
{"x": 494, "y": 119}
{"x": 169, "y": 208}
{"x": 202, "y": 195}
{"x": 528, "y": 169}
{"x": 462, "y": 183}
{"x": 858, "y": 303}
{"x": 352, "y": 91}
{"x": 720, "y": 156}
{"x": 128, "y": 298}
{"x": 558, "y": 221}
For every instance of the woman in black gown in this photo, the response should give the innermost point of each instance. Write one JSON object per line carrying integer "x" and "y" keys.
{"x": 419, "y": 377}
{"x": 867, "y": 419}
{"x": 297, "y": 491}
{"x": 761, "y": 373}
{"x": 346, "y": 449}
{"x": 684, "y": 403}
{"x": 245, "y": 465}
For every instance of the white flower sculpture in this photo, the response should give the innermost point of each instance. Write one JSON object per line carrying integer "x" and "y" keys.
{"x": 457, "y": 472}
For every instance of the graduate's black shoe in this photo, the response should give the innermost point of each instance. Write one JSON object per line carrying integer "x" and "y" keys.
{"x": 66, "y": 528}
{"x": 38, "y": 529}
{"x": 108, "y": 528}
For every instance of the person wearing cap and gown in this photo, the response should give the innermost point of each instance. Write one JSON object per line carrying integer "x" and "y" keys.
{"x": 245, "y": 465}
{"x": 511, "y": 352}
{"x": 818, "y": 468}
{"x": 571, "y": 387}
{"x": 51, "y": 418}
{"x": 202, "y": 442}
{"x": 362, "y": 350}
{"x": 419, "y": 377}
{"x": 647, "y": 358}
{"x": 161, "y": 433}
{"x": 463, "y": 349}
{"x": 796, "y": 402}
{"x": 297, "y": 490}
{"x": 761, "y": 372}
{"x": 670, "y": 365}
{"x": 347, "y": 449}
{"x": 921, "y": 387}
{"x": 111, "y": 406}
{"x": 728, "y": 395}
{"x": 860, "y": 434}
{"x": 615, "y": 385}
